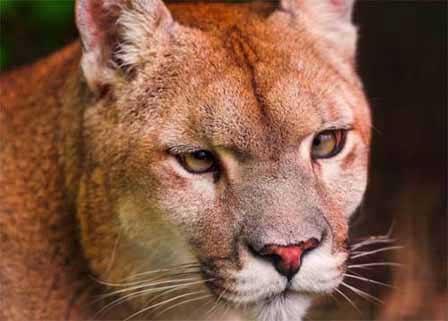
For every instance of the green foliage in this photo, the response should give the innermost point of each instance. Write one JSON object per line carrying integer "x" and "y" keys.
{"x": 52, "y": 12}
{"x": 32, "y": 28}
{"x": 4, "y": 57}
{"x": 6, "y": 6}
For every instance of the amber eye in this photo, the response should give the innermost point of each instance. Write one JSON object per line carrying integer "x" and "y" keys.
{"x": 198, "y": 162}
{"x": 328, "y": 143}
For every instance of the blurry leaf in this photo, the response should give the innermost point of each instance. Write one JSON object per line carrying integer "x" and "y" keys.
{"x": 4, "y": 56}
{"x": 53, "y": 12}
{"x": 6, "y": 6}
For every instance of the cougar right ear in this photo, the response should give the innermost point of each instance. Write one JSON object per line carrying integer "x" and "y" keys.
{"x": 330, "y": 19}
{"x": 114, "y": 33}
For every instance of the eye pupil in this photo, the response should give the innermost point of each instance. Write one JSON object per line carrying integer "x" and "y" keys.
{"x": 316, "y": 141}
{"x": 201, "y": 155}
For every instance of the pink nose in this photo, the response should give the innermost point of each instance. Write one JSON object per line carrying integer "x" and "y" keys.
{"x": 287, "y": 259}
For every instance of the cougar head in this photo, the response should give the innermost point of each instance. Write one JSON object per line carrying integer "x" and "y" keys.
{"x": 230, "y": 141}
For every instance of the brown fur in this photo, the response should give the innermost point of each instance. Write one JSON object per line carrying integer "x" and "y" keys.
{"x": 42, "y": 271}
{"x": 89, "y": 166}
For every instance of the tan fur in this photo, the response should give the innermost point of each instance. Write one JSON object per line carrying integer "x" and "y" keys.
{"x": 88, "y": 154}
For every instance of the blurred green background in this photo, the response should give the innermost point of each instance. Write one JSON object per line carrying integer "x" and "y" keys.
{"x": 33, "y": 28}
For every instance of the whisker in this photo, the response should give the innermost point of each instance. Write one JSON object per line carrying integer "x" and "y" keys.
{"x": 148, "y": 285}
{"x": 365, "y": 265}
{"x": 362, "y": 293}
{"x": 143, "y": 292}
{"x": 173, "y": 290}
{"x": 391, "y": 228}
{"x": 354, "y": 272}
{"x": 164, "y": 275}
{"x": 178, "y": 296}
{"x": 114, "y": 253}
{"x": 386, "y": 238}
{"x": 168, "y": 269}
{"x": 368, "y": 280}
{"x": 119, "y": 301}
{"x": 348, "y": 300}
{"x": 213, "y": 308}
{"x": 184, "y": 302}
{"x": 226, "y": 309}
{"x": 160, "y": 303}
{"x": 158, "y": 279}
{"x": 388, "y": 248}
{"x": 370, "y": 241}
{"x": 165, "y": 292}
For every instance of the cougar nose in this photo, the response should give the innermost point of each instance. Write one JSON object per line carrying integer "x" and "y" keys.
{"x": 287, "y": 259}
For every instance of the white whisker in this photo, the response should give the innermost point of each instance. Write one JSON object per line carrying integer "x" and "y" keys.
{"x": 348, "y": 300}
{"x": 165, "y": 292}
{"x": 181, "y": 266}
{"x": 212, "y": 309}
{"x": 388, "y": 248}
{"x": 173, "y": 290}
{"x": 367, "y": 280}
{"x": 362, "y": 293}
{"x": 366, "y": 265}
{"x": 184, "y": 302}
{"x": 370, "y": 241}
{"x": 178, "y": 275}
{"x": 114, "y": 253}
{"x": 144, "y": 292}
{"x": 154, "y": 285}
{"x": 161, "y": 276}
{"x": 161, "y": 303}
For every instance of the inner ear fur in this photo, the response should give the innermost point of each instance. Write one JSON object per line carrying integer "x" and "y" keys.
{"x": 328, "y": 19}
{"x": 114, "y": 35}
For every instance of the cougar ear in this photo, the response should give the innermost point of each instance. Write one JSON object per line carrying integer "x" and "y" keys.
{"x": 114, "y": 34}
{"x": 330, "y": 19}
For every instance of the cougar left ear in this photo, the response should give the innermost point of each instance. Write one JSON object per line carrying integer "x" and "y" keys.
{"x": 114, "y": 35}
{"x": 330, "y": 19}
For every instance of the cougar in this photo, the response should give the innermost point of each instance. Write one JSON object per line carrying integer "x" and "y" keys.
{"x": 183, "y": 162}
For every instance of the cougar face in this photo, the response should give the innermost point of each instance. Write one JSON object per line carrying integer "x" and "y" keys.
{"x": 231, "y": 138}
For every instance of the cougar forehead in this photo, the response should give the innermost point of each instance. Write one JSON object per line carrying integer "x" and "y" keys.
{"x": 255, "y": 86}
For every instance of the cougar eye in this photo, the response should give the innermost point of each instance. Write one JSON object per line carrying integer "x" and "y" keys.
{"x": 198, "y": 162}
{"x": 328, "y": 143}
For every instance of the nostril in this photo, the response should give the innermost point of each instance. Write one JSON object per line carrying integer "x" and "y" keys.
{"x": 288, "y": 259}
{"x": 310, "y": 244}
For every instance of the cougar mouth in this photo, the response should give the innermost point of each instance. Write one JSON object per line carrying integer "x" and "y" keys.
{"x": 226, "y": 292}
{"x": 259, "y": 284}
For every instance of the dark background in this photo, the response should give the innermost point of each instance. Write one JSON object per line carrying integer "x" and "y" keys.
{"x": 402, "y": 61}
